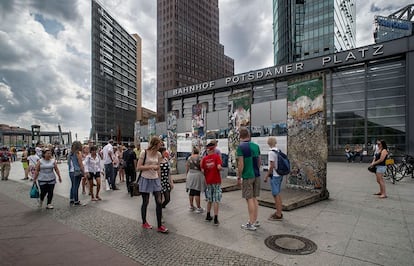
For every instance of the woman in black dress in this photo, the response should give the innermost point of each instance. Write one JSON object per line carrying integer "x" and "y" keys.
{"x": 166, "y": 181}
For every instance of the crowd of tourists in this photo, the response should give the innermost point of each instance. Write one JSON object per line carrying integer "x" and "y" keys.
{"x": 90, "y": 167}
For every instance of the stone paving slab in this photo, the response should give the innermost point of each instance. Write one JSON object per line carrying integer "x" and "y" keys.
{"x": 292, "y": 198}
{"x": 30, "y": 237}
{"x": 127, "y": 237}
{"x": 352, "y": 227}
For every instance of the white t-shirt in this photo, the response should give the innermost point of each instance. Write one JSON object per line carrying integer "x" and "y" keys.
{"x": 273, "y": 158}
{"x": 108, "y": 152}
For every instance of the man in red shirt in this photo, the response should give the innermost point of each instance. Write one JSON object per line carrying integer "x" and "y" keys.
{"x": 5, "y": 159}
{"x": 211, "y": 166}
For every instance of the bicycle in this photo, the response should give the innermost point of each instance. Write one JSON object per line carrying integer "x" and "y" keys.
{"x": 405, "y": 168}
{"x": 391, "y": 171}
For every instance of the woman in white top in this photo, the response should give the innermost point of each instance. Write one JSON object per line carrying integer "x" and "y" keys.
{"x": 93, "y": 168}
{"x": 33, "y": 158}
{"x": 150, "y": 181}
{"x": 45, "y": 174}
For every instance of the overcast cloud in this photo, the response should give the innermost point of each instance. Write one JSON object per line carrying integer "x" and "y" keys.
{"x": 45, "y": 68}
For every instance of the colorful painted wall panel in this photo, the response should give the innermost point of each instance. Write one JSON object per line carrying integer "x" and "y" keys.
{"x": 307, "y": 139}
{"x": 151, "y": 128}
{"x": 198, "y": 122}
{"x": 172, "y": 139}
{"x": 239, "y": 116}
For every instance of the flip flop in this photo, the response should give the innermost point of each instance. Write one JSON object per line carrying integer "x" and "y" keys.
{"x": 377, "y": 194}
{"x": 383, "y": 197}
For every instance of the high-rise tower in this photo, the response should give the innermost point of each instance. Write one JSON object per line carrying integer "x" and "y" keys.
{"x": 188, "y": 46}
{"x": 116, "y": 78}
{"x": 309, "y": 28}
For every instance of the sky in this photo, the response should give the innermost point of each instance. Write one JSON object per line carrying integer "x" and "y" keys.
{"x": 45, "y": 53}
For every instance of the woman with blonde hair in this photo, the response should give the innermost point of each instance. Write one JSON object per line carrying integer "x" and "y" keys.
{"x": 76, "y": 171}
{"x": 150, "y": 182}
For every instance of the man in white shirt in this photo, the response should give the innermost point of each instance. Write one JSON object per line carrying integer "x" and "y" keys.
{"x": 108, "y": 153}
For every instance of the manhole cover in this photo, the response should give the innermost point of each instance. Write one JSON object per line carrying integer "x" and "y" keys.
{"x": 291, "y": 244}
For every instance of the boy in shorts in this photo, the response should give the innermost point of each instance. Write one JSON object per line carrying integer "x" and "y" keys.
{"x": 275, "y": 179}
{"x": 211, "y": 166}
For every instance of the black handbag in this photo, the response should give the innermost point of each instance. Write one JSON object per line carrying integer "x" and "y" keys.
{"x": 135, "y": 185}
{"x": 372, "y": 169}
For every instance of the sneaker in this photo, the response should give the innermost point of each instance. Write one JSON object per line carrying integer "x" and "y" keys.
{"x": 248, "y": 226}
{"x": 162, "y": 229}
{"x": 40, "y": 204}
{"x": 216, "y": 222}
{"x": 257, "y": 224}
{"x": 199, "y": 210}
{"x": 191, "y": 208}
{"x": 49, "y": 206}
{"x": 209, "y": 219}
{"x": 274, "y": 217}
{"x": 78, "y": 203}
{"x": 147, "y": 226}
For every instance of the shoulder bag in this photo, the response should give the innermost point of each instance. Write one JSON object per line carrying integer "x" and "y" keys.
{"x": 135, "y": 185}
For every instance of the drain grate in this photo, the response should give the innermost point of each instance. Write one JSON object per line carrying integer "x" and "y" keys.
{"x": 291, "y": 244}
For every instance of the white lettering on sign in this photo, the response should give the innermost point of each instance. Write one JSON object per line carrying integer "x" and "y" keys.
{"x": 194, "y": 88}
{"x": 377, "y": 50}
{"x": 274, "y": 72}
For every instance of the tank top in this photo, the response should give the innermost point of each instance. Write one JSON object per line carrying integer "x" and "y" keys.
{"x": 46, "y": 173}
{"x": 377, "y": 156}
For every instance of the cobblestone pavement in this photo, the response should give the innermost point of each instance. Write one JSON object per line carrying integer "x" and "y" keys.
{"x": 125, "y": 235}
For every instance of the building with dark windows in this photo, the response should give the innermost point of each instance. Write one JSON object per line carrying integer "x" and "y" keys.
{"x": 397, "y": 25}
{"x": 188, "y": 46}
{"x": 368, "y": 91}
{"x": 307, "y": 29}
{"x": 116, "y": 78}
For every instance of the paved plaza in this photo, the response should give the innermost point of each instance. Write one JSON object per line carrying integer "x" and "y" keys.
{"x": 353, "y": 227}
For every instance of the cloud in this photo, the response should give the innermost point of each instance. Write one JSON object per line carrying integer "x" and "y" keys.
{"x": 45, "y": 52}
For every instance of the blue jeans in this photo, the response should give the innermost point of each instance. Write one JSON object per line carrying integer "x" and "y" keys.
{"x": 74, "y": 190}
{"x": 109, "y": 174}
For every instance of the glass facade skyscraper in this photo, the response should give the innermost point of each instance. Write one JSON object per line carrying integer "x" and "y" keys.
{"x": 116, "y": 78}
{"x": 305, "y": 29}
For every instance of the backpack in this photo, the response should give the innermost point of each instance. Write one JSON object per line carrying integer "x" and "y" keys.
{"x": 283, "y": 163}
{"x": 5, "y": 156}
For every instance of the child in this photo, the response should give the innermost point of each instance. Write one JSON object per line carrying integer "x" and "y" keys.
{"x": 211, "y": 166}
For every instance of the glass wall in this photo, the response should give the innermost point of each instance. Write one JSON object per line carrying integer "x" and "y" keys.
{"x": 367, "y": 102}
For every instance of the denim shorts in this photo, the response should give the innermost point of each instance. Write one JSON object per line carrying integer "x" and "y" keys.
{"x": 275, "y": 183}
{"x": 381, "y": 169}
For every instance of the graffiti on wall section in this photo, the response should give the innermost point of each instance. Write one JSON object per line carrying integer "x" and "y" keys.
{"x": 239, "y": 109}
{"x": 307, "y": 140}
{"x": 198, "y": 124}
{"x": 172, "y": 117}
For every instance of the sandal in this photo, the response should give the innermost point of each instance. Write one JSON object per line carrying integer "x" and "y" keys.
{"x": 377, "y": 194}
{"x": 98, "y": 198}
{"x": 383, "y": 197}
